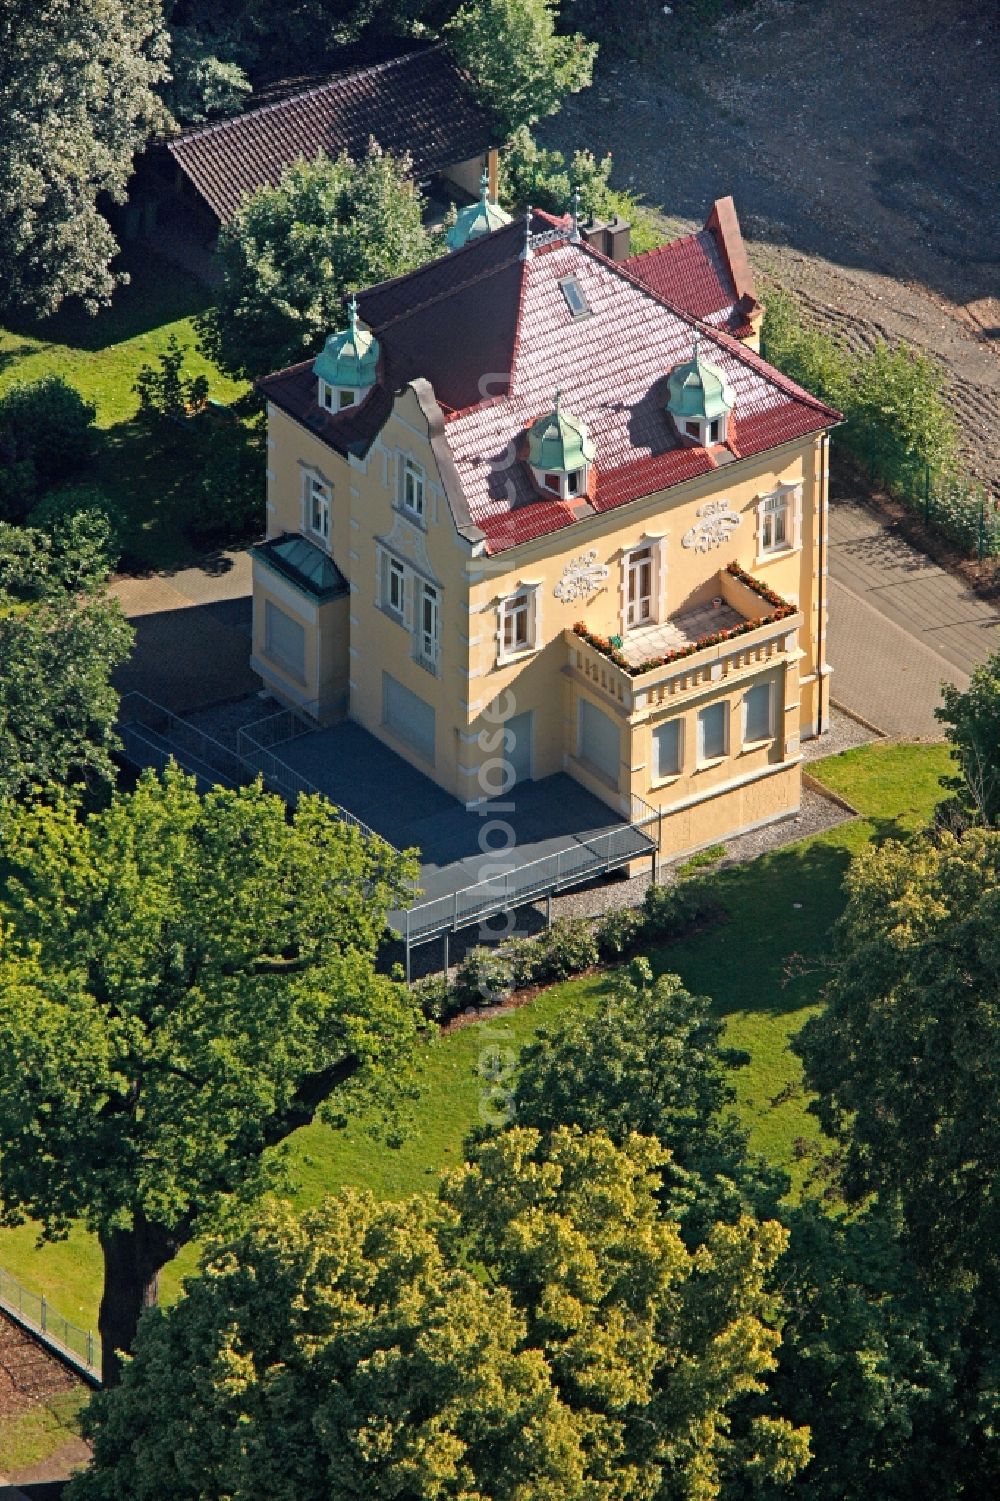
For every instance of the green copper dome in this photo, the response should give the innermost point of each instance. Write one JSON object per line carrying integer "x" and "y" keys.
{"x": 698, "y": 390}
{"x": 349, "y": 358}
{"x": 559, "y": 443}
{"x": 478, "y": 219}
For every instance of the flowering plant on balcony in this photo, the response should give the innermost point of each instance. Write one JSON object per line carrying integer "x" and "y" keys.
{"x": 781, "y": 606}
{"x": 780, "y": 610}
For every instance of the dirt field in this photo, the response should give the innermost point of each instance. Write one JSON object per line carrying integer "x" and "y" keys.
{"x": 38, "y": 1400}
{"x": 861, "y": 142}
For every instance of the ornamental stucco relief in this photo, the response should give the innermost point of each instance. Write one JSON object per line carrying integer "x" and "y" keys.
{"x": 582, "y": 577}
{"x": 716, "y": 524}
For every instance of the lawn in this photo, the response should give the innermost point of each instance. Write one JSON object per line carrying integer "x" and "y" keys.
{"x": 757, "y": 968}
{"x": 101, "y": 357}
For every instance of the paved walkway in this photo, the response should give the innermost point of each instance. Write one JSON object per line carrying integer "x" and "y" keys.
{"x": 193, "y": 630}
{"x": 899, "y": 625}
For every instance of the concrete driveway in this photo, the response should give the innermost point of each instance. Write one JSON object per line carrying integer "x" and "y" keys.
{"x": 900, "y": 626}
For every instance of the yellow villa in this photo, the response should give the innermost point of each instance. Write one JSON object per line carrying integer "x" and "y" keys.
{"x": 535, "y": 510}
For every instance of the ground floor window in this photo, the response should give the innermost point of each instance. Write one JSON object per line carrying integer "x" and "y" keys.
{"x": 408, "y": 717}
{"x": 758, "y": 718}
{"x": 713, "y": 732}
{"x": 285, "y": 641}
{"x": 599, "y": 740}
{"x": 667, "y": 749}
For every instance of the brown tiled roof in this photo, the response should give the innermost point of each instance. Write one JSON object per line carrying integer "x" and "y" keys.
{"x": 490, "y": 330}
{"x": 419, "y": 104}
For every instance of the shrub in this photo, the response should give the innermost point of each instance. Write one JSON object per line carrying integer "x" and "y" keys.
{"x": 568, "y": 947}
{"x": 435, "y": 997}
{"x": 168, "y": 393}
{"x": 85, "y": 529}
{"x": 618, "y": 932}
{"x": 484, "y": 977}
{"x": 46, "y": 424}
{"x": 532, "y": 175}
{"x": 671, "y": 910}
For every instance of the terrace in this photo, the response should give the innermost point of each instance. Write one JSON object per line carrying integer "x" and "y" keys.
{"x": 748, "y": 628}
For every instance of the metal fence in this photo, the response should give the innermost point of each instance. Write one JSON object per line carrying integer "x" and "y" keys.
{"x": 256, "y": 744}
{"x": 151, "y": 735}
{"x": 81, "y": 1347}
{"x": 513, "y": 886}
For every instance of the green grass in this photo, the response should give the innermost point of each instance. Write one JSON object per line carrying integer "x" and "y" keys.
{"x": 101, "y": 356}
{"x": 756, "y": 968}
{"x": 702, "y": 860}
{"x": 36, "y": 1435}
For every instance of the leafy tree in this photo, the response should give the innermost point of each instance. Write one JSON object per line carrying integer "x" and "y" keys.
{"x": 186, "y": 980}
{"x": 206, "y": 78}
{"x": 541, "y": 1334}
{"x": 653, "y": 1345}
{"x": 291, "y": 253}
{"x": 972, "y": 726}
{"x": 523, "y": 67}
{"x": 872, "y": 1363}
{"x": 76, "y": 100}
{"x": 169, "y": 392}
{"x": 905, "y": 1055}
{"x": 58, "y": 650}
{"x": 650, "y": 1059}
{"x": 904, "y": 1058}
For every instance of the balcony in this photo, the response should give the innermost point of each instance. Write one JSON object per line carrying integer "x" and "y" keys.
{"x": 749, "y": 629}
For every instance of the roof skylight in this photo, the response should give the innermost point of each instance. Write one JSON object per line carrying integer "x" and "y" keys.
{"x": 575, "y": 300}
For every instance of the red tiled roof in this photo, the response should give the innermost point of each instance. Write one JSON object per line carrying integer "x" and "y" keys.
{"x": 706, "y": 274}
{"x": 490, "y": 330}
{"x": 418, "y": 104}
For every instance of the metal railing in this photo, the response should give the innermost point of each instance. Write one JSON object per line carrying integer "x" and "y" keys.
{"x": 255, "y": 743}
{"x": 513, "y": 886}
{"x": 81, "y": 1347}
{"x": 139, "y": 719}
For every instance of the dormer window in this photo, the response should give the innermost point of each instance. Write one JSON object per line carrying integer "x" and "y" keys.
{"x": 560, "y": 453}
{"x": 699, "y": 400}
{"x": 347, "y": 369}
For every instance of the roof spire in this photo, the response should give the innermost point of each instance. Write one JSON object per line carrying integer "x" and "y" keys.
{"x": 558, "y": 399}
{"x": 697, "y": 341}
{"x": 526, "y": 252}
{"x": 352, "y": 312}
{"x": 484, "y": 187}
{"x": 576, "y": 214}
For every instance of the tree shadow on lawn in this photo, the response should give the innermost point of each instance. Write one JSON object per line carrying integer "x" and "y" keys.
{"x": 771, "y": 955}
{"x": 153, "y": 479}
{"x": 158, "y": 292}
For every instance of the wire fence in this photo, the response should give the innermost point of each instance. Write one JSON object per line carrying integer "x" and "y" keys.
{"x": 81, "y": 1347}
{"x": 964, "y": 513}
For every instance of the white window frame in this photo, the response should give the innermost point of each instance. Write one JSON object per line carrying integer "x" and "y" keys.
{"x": 392, "y": 569}
{"x": 706, "y": 760}
{"x": 632, "y": 569}
{"x": 786, "y": 498}
{"x": 525, "y": 602}
{"x": 656, "y": 542}
{"x": 316, "y": 487}
{"x": 758, "y": 739}
{"x": 412, "y": 487}
{"x": 427, "y": 644}
{"x": 660, "y": 777}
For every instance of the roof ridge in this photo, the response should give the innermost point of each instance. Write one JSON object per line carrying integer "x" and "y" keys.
{"x": 644, "y": 255}
{"x": 197, "y": 132}
{"x": 733, "y": 346}
{"x": 456, "y": 286}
